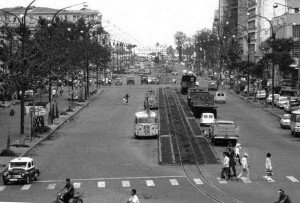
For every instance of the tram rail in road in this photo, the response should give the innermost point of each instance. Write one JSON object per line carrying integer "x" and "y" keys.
{"x": 187, "y": 154}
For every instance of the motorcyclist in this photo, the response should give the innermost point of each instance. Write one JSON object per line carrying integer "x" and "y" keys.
{"x": 69, "y": 193}
{"x": 283, "y": 198}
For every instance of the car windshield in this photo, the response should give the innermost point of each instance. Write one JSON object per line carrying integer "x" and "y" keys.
{"x": 225, "y": 123}
{"x": 211, "y": 116}
{"x": 17, "y": 164}
{"x": 146, "y": 120}
{"x": 286, "y": 116}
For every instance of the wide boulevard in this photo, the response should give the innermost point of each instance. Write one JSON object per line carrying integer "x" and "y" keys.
{"x": 99, "y": 153}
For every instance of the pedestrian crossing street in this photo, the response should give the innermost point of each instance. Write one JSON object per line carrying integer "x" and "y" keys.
{"x": 52, "y": 185}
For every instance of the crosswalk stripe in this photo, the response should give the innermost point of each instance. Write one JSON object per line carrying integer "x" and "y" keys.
{"x": 2, "y": 188}
{"x": 293, "y": 179}
{"x": 76, "y": 185}
{"x": 245, "y": 180}
{"x": 51, "y": 186}
{"x": 150, "y": 183}
{"x": 26, "y": 187}
{"x": 198, "y": 181}
{"x": 125, "y": 183}
{"x": 174, "y": 182}
{"x": 101, "y": 184}
{"x": 222, "y": 181}
{"x": 270, "y": 180}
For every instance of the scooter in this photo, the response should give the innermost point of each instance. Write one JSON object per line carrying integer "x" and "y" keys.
{"x": 77, "y": 198}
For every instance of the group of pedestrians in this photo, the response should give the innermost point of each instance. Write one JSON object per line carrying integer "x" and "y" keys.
{"x": 232, "y": 158}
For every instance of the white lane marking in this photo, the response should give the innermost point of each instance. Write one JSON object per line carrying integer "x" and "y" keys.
{"x": 221, "y": 181}
{"x": 51, "y": 186}
{"x": 125, "y": 183}
{"x": 174, "y": 182}
{"x": 270, "y": 180}
{"x": 198, "y": 182}
{"x": 26, "y": 187}
{"x": 101, "y": 184}
{"x": 293, "y": 179}
{"x": 76, "y": 185}
{"x": 2, "y": 188}
{"x": 150, "y": 183}
{"x": 116, "y": 178}
{"x": 245, "y": 180}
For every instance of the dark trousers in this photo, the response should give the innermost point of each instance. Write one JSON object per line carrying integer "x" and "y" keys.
{"x": 225, "y": 170}
{"x": 232, "y": 167}
{"x": 67, "y": 197}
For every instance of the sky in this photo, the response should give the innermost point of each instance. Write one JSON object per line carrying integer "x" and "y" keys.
{"x": 146, "y": 21}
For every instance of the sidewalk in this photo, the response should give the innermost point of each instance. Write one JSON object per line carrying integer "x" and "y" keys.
{"x": 272, "y": 110}
{"x": 14, "y": 130}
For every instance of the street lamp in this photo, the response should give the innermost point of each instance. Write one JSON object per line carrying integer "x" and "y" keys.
{"x": 22, "y": 24}
{"x": 273, "y": 37}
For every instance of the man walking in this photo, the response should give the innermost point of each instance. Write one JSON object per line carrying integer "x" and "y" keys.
{"x": 245, "y": 170}
{"x": 225, "y": 168}
{"x": 268, "y": 167}
{"x": 237, "y": 152}
{"x": 231, "y": 162}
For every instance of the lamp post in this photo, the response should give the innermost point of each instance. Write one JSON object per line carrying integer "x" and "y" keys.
{"x": 22, "y": 24}
{"x": 273, "y": 37}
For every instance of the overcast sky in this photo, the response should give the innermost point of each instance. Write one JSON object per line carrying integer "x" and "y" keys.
{"x": 148, "y": 21}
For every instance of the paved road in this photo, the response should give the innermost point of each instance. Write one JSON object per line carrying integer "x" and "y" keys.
{"x": 98, "y": 152}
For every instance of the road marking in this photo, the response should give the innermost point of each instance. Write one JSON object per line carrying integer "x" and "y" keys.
{"x": 222, "y": 181}
{"x": 116, "y": 178}
{"x": 125, "y": 183}
{"x": 270, "y": 180}
{"x": 245, "y": 180}
{"x": 293, "y": 179}
{"x": 26, "y": 187}
{"x": 76, "y": 185}
{"x": 2, "y": 188}
{"x": 150, "y": 183}
{"x": 51, "y": 186}
{"x": 198, "y": 181}
{"x": 101, "y": 184}
{"x": 174, "y": 182}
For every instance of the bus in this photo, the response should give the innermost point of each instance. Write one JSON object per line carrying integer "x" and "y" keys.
{"x": 187, "y": 81}
{"x": 288, "y": 86}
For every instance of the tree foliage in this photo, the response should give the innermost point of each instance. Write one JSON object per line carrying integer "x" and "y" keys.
{"x": 180, "y": 39}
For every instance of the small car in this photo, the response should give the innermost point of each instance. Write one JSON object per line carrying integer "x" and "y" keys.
{"x": 269, "y": 99}
{"x": 207, "y": 119}
{"x": 285, "y": 121}
{"x": 280, "y": 101}
{"x": 292, "y": 105}
{"x": 212, "y": 86}
{"x": 118, "y": 81}
{"x": 130, "y": 80}
{"x": 21, "y": 169}
{"x": 261, "y": 94}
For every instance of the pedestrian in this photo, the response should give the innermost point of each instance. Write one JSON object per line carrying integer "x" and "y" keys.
{"x": 237, "y": 149}
{"x": 225, "y": 169}
{"x": 205, "y": 134}
{"x": 283, "y": 198}
{"x": 231, "y": 154}
{"x": 61, "y": 90}
{"x": 245, "y": 170}
{"x": 269, "y": 169}
{"x": 126, "y": 97}
{"x": 134, "y": 198}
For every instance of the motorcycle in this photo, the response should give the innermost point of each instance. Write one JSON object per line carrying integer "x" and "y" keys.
{"x": 77, "y": 198}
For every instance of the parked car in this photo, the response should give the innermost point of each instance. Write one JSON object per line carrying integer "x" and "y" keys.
{"x": 285, "y": 121}
{"x": 280, "y": 101}
{"x": 261, "y": 94}
{"x": 292, "y": 105}
{"x": 130, "y": 80}
{"x": 269, "y": 99}
{"x": 207, "y": 119}
{"x": 118, "y": 81}
{"x": 21, "y": 169}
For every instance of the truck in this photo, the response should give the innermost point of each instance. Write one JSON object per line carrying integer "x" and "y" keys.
{"x": 201, "y": 101}
{"x": 224, "y": 131}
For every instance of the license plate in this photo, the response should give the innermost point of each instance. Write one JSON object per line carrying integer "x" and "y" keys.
{"x": 13, "y": 179}
{"x": 16, "y": 176}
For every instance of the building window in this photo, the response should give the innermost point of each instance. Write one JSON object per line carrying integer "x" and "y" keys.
{"x": 296, "y": 31}
{"x": 296, "y": 49}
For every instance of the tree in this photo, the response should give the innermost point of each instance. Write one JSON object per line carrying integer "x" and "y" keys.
{"x": 180, "y": 39}
{"x": 170, "y": 51}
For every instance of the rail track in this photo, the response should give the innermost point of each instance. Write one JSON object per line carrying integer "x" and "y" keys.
{"x": 187, "y": 151}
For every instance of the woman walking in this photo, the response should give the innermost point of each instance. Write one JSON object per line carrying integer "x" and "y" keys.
{"x": 269, "y": 168}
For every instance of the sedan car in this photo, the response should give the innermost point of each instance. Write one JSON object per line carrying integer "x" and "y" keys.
{"x": 21, "y": 169}
{"x": 212, "y": 86}
{"x": 285, "y": 121}
{"x": 207, "y": 119}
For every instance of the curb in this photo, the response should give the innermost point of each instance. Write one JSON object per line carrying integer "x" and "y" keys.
{"x": 255, "y": 104}
{"x": 54, "y": 130}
